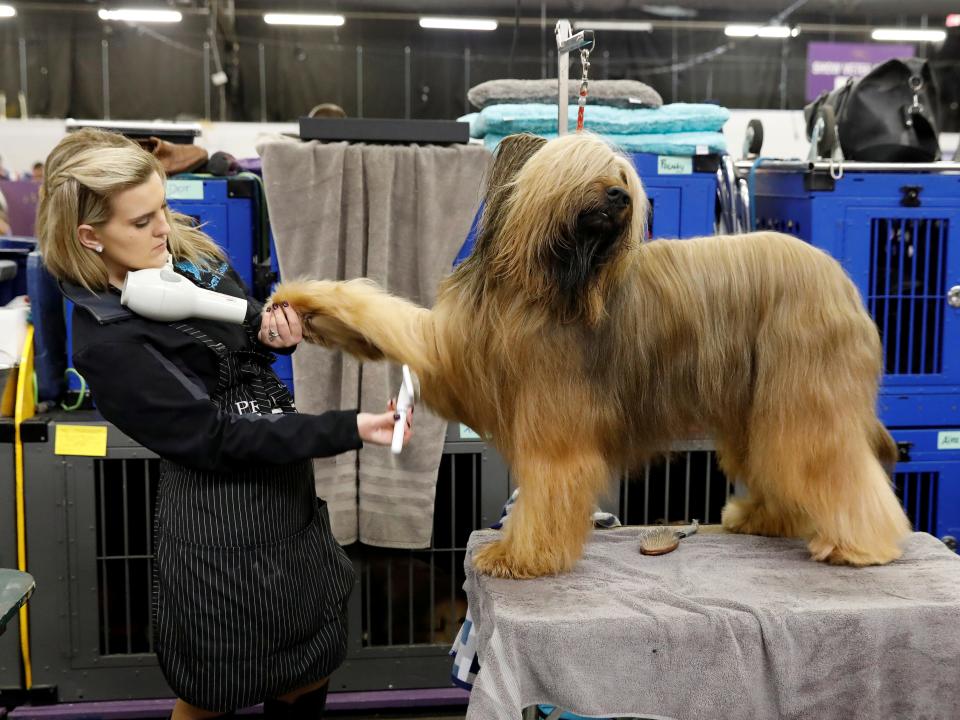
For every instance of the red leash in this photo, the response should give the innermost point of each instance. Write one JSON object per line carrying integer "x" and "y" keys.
{"x": 582, "y": 100}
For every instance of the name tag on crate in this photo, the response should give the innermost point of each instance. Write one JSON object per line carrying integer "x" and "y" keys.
{"x": 184, "y": 189}
{"x": 948, "y": 440}
{"x": 669, "y": 165}
{"x": 88, "y": 440}
{"x": 468, "y": 434}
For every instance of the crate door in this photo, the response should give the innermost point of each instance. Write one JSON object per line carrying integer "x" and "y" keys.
{"x": 212, "y": 219}
{"x": 905, "y": 262}
{"x": 664, "y": 217}
{"x": 930, "y": 493}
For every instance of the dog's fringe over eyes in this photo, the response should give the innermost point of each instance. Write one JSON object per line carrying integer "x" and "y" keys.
{"x": 582, "y": 352}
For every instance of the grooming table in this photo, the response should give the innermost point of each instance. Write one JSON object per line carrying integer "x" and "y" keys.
{"x": 726, "y": 626}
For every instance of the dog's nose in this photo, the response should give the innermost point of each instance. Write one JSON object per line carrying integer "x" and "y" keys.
{"x": 618, "y": 197}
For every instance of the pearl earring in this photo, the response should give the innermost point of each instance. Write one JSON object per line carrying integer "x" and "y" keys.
{"x": 99, "y": 248}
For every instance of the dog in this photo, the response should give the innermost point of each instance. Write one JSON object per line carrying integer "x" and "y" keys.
{"x": 580, "y": 351}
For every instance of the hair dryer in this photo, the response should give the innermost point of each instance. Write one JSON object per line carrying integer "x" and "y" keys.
{"x": 161, "y": 294}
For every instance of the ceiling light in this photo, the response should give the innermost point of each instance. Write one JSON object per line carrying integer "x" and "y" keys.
{"x": 615, "y": 25}
{"x": 303, "y": 19}
{"x": 764, "y": 31}
{"x": 7, "y": 11}
{"x": 449, "y": 23}
{"x": 909, "y": 35}
{"x": 141, "y": 15}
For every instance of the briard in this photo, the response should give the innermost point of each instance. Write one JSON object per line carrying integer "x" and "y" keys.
{"x": 581, "y": 351}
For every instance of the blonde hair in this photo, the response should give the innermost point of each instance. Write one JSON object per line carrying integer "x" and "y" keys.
{"x": 81, "y": 176}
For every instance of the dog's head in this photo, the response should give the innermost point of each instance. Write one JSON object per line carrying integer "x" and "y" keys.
{"x": 567, "y": 224}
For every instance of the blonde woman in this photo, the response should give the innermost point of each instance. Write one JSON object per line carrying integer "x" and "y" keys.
{"x": 250, "y": 586}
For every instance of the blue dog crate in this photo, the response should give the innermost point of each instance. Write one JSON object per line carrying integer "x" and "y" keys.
{"x": 682, "y": 192}
{"x": 898, "y": 236}
{"x": 228, "y": 209}
{"x": 927, "y": 480}
{"x": 224, "y": 209}
{"x": 13, "y": 273}
{"x": 283, "y": 367}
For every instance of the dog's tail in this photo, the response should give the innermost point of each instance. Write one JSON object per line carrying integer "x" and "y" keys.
{"x": 885, "y": 447}
{"x": 364, "y": 320}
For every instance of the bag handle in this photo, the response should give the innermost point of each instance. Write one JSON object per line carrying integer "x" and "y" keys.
{"x": 916, "y": 116}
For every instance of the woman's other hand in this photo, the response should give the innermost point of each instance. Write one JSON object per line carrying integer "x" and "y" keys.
{"x": 280, "y": 327}
{"x": 378, "y": 429}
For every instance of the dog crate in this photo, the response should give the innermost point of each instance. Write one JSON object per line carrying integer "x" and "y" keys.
{"x": 897, "y": 235}
{"x": 89, "y": 540}
{"x": 927, "y": 480}
{"x": 226, "y": 209}
{"x": 13, "y": 273}
{"x": 686, "y": 485}
{"x": 682, "y": 192}
{"x": 10, "y": 678}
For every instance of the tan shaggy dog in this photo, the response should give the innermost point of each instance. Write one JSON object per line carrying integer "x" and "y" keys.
{"x": 580, "y": 351}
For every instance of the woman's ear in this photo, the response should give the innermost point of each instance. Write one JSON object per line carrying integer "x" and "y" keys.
{"x": 88, "y": 238}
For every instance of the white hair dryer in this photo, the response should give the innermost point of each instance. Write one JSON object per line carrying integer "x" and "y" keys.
{"x": 161, "y": 294}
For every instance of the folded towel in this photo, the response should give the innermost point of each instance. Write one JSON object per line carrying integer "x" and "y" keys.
{"x": 676, "y": 144}
{"x": 615, "y": 93}
{"x": 674, "y": 118}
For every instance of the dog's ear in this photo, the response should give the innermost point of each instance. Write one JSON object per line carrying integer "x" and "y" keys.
{"x": 511, "y": 155}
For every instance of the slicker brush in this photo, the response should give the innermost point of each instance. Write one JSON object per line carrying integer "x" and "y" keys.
{"x": 661, "y": 540}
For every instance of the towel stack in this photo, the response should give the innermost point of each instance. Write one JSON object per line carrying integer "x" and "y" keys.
{"x": 627, "y": 113}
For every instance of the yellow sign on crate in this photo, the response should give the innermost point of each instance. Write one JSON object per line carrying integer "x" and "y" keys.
{"x": 89, "y": 440}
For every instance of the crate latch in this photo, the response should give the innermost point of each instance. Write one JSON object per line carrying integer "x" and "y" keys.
{"x": 903, "y": 451}
{"x": 911, "y": 195}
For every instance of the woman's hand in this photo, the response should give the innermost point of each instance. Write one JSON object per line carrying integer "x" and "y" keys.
{"x": 280, "y": 327}
{"x": 378, "y": 429}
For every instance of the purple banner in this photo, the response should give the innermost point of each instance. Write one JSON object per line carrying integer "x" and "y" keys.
{"x": 829, "y": 64}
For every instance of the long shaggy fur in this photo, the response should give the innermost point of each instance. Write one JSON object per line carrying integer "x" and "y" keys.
{"x": 581, "y": 351}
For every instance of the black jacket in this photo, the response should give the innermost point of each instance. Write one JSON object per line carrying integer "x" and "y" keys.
{"x": 154, "y": 382}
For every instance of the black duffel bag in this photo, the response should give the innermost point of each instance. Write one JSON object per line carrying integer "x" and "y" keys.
{"x": 889, "y": 115}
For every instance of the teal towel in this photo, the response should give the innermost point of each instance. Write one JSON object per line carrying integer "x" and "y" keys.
{"x": 603, "y": 120}
{"x": 682, "y": 143}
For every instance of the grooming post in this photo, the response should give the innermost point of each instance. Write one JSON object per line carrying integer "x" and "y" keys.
{"x": 567, "y": 43}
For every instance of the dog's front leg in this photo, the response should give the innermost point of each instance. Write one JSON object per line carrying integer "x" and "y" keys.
{"x": 547, "y": 528}
{"x": 362, "y": 319}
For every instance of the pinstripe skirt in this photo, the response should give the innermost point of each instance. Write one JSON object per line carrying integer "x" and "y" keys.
{"x": 250, "y": 586}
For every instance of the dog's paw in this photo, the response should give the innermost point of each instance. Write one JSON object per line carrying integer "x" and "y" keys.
{"x": 736, "y": 516}
{"x": 826, "y": 551}
{"x": 747, "y": 517}
{"x": 496, "y": 560}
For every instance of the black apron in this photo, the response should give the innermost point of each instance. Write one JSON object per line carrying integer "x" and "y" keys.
{"x": 250, "y": 586}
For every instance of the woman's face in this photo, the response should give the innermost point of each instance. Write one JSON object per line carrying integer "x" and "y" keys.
{"x": 135, "y": 237}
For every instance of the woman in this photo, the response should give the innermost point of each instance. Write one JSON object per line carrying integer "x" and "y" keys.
{"x": 250, "y": 587}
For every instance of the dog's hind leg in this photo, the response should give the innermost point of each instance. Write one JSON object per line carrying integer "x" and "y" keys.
{"x": 829, "y": 472}
{"x": 547, "y": 528}
{"x": 757, "y": 515}
{"x": 364, "y": 320}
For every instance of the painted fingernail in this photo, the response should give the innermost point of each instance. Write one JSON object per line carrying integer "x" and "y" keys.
{"x": 396, "y": 417}
{"x": 286, "y": 304}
